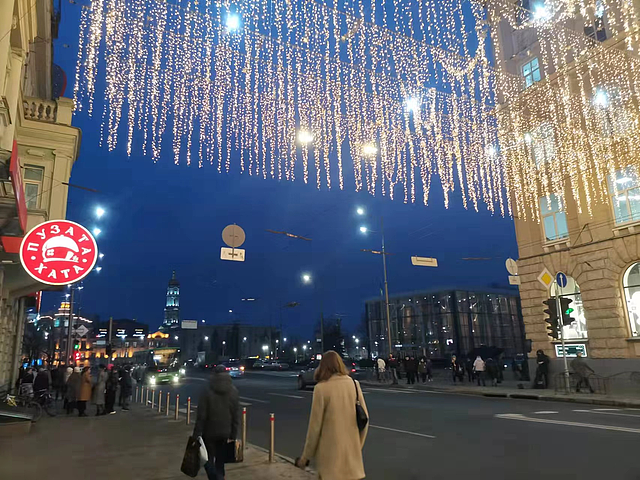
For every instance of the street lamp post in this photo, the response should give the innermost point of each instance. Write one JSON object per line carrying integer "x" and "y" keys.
{"x": 384, "y": 254}
{"x": 224, "y": 343}
{"x": 306, "y": 278}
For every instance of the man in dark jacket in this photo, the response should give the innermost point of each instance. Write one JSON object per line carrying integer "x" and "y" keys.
{"x": 582, "y": 371}
{"x": 110, "y": 391}
{"x": 218, "y": 420}
{"x": 542, "y": 371}
{"x": 126, "y": 388}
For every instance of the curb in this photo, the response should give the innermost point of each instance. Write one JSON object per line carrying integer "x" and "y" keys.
{"x": 610, "y": 402}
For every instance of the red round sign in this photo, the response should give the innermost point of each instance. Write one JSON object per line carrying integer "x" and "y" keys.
{"x": 58, "y": 252}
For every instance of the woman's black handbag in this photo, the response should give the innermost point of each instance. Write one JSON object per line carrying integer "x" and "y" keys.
{"x": 361, "y": 416}
{"x": 191, "y": 460}
{"x": 235, "y": 452}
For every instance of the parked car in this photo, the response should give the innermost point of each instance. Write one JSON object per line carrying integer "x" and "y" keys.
{"x": 305, "y": 377}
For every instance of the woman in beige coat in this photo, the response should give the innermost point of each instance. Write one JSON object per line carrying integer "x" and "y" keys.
{"x": 333, "y": 438}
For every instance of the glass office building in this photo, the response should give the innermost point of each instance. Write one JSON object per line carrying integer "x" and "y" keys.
{"x": 442, "y": 323}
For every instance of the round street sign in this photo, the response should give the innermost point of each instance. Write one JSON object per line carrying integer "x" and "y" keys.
{"x": 512, "y": 266}
{"x": 58, "y": 252}
{"x": 233, "y": 235}
{"x": 561, "y": 279}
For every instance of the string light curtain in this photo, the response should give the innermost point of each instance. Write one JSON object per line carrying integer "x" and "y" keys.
{"x": 292, "y": 89}
{"x": 568, "y": 133}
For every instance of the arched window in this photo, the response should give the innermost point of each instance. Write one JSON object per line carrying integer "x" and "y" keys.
{"x": 578, "y": 328}
{"x": 631, "y": 284}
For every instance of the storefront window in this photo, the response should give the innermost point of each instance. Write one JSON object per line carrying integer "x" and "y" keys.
{"x": 578, "y": 328}
{"x": 631, "y": 284}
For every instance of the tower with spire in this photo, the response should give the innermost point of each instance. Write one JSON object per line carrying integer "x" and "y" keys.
{"x": 172, "y": 307}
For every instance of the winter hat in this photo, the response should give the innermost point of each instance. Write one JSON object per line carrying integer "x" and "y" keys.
{"x": 76, "y": 369}
{"x": 69, "y": 370}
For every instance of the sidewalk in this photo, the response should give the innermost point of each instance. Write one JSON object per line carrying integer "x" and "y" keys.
{"x": 140, "y": 444}
{"x": 509, "y": 389}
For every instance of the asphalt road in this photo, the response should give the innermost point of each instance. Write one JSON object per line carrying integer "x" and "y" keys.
{"x": 418, "y": 434}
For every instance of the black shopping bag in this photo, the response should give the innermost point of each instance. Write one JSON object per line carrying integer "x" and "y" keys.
{"x": 191, "y": 460}
{"x": 235, "y": 452}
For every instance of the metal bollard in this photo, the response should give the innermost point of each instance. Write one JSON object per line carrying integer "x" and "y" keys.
{"x": 153, "y": 399}
{"x": 244, "y": 427}
{"x": 168, "y": 402}
{"x": 272, "y": 443}
{"x": 145, "y": 395}
{"x": 137, "y": 394}
{"x": 160, "y": 402}
{"x": 177, "y": 405}
{"x": 188, "y": 410}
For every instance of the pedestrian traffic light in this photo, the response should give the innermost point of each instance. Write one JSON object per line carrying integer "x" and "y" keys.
{"x": 76, "y": 345}
{"x": 553, "y": 329}
{"x": 77, "y": 356}
{"x": 566, "y": 310}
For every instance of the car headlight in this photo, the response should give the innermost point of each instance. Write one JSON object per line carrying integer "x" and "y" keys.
{"x": 175, "y": 379}
{"x": 183, "y": 371}
{"x": 152, "y": 380}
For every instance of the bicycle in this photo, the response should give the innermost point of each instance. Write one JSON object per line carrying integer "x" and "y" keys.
{"x": 27, "y": 404}
{"x": 45, "y": 399}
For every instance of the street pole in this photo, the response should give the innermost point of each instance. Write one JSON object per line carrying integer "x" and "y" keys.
{"x": 69, "y": 348}
{"x": 386, "y": 285}
{"x": 321, "y": 324}
{"x": 109, "y": 340}
{"x": 560, "y": 331}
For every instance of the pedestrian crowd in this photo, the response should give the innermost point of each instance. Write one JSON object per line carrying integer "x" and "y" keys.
{"x": 417, "y": 369}
{"x": 77, "y": 388}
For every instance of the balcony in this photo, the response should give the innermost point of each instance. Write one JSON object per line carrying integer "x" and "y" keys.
{"x": 58, "y": 111}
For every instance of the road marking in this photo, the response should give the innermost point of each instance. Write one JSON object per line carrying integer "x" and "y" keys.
{"x": 606, "y": 409}
{"x": 545, "y": 412}
{"x": 284, "y": 395}
{"x": 253, "y": 399}
{"x": 517, "y": 416}
{"x": 245, "y": 404}
{"x": 402, "y": 431}
{"x": 198, "y": 379}
{"x": 607, "y": 413}
{"x": 389, "y": 390}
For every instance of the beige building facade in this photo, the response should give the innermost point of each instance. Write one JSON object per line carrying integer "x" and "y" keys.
{"x": 575, "y": 126}
{"x": 38, "y": 147}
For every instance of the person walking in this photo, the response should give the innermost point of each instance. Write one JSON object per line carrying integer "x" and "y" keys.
{"x": 582, "y": 371}
{"x": 99, "y": 390}
{"x": 468, "y": 366}
{"x": 457, "y": 371}
{"x": 411, "y": 369}
{"x": 542, "y": 370}
{"x": 85, "y": 391}
{"x": 393, "y": 366}
{"x": 478, "y": 369}
{"x": 73, "y": 390}
{"x": 492, "y": 371}
{"x": 381, "y": 367}
{"x": 218, "y": 420}
{"x": 26, "y": 383}
{"x": 110, "y": 391}
{"x": 333, "y": 436}
{"x": 422, "y": 370}
{"x": 126, "y": 388}
{"x": 429, "y": 370}
{"x": 65, "y": 378}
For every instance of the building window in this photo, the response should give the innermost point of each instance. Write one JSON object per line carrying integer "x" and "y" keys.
{"x": 631, "y": 286}
{"x": 594, "y": 26}
{"x": 578, "y": 328}
{"x": 531, "y": 72}
{"x": 33, "y": 178}
{"x": 625, "y": 195}
{"x": 554, "y": 220}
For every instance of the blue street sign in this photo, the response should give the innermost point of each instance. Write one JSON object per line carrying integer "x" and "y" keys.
{"x": 561, "y": 279}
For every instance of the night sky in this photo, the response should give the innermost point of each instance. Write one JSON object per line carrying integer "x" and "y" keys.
{"x": 162, "y": 217}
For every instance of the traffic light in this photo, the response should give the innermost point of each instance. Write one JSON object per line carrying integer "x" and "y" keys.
{"x": 77, "y": 356}
{"x": 566, "y": 310}
{"x": 553, "y": 329}
{"x": 76, "y": 345}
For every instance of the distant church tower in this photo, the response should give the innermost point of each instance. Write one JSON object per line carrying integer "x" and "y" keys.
{"x": 172, "y": 308}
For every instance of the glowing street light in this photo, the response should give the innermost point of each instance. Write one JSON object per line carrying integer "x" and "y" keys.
{"x": 100, "y": 212}
{"x": 540, "y": 12}
{"x": 233, "y": 22}
{"x": 412, "y": 104}
{"x": 364, "y": 229}
{"x": 304, "y": 347}
{"x": 284, "y": 339}
{"x": 230, "y": 311}
{"x": 305, "y": 136}
{"x": 244, "y": 339}
{"x": 206, "y": 339}
{"x": 176, "y": 337}
{"x": 306, "y": 278}
{"x": 224, "y": 342}
{"x": 369, "y": 150}
{"x": 265, "y": 348}
{"x": 360, "y": 211}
